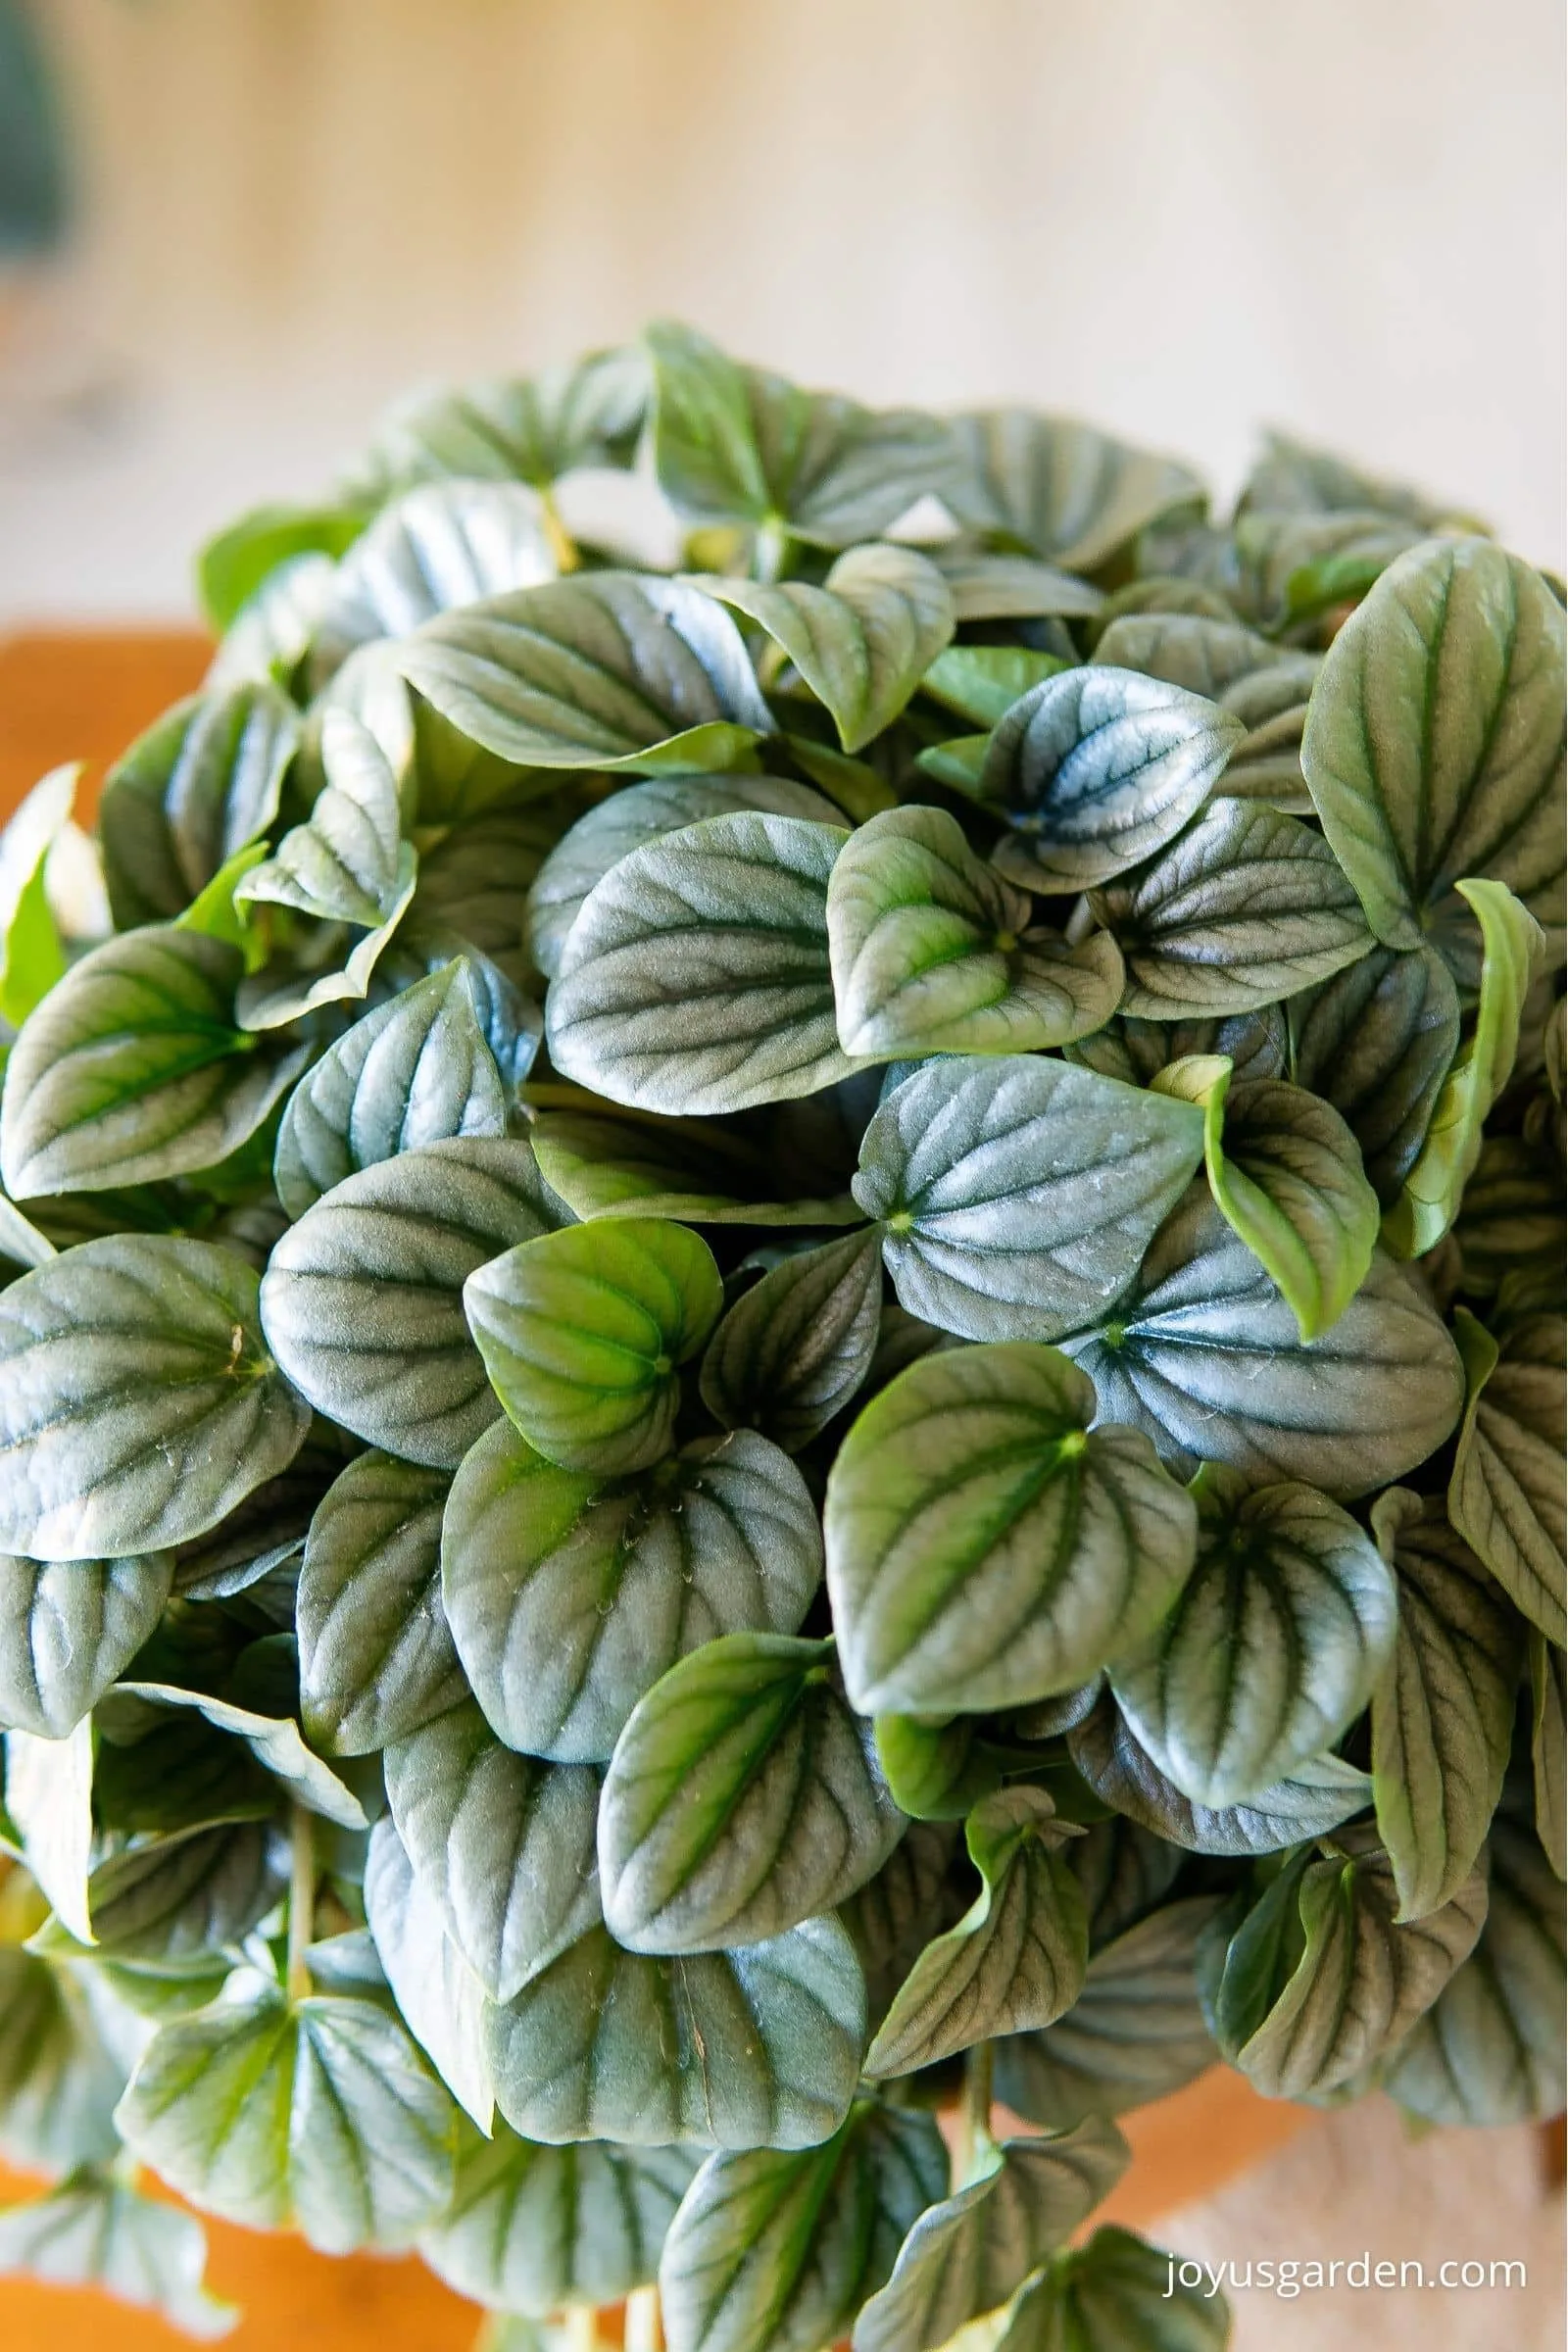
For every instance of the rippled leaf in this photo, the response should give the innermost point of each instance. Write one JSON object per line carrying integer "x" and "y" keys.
{"x": 795, "y": 1348}
{"x": 97, "y": 2232}
{"x": 1064, "y": 491}
{"x": 1377, "y": 1042}
{"x": 203, "y": 782}
{"x": 67, "y": 1629}
{"x": 1505, "y": 1496}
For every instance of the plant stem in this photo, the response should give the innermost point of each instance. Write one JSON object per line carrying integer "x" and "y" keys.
{"x": 301, "y": 1899}
{"x": 974, "y": 2114}
{"x": 582, "y": 2328}
{"x": 644, "y": 2327}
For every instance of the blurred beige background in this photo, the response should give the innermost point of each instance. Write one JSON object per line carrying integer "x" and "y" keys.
{"x": 1183, "y": 217}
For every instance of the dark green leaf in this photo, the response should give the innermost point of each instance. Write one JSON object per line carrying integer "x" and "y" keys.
{"x": 775, "y": 2251}
{"x": 415, "y": 1071}
{"x": 1017, "y": 1194}
{"x": 316, "y": 2113}
{"x": 743, "y": 1798}
{"x": 937, "y": 1770}
{"x": 1273, "y": 1647}
{"x": 983, "y": 1547}
{"x": 738, "y": 444}
{"x": 583, "y": 1333}
{"x": 1016, "y": 1959}
{"x": 1433, "y": 746}
{"x": 696, "y": 977}
{"x": 500, "y": 1844}
{"x": 1490, "y": 2048}
{"x": 1135, "y": 2034}
{"x": 1117, "y": 2294}
{"x": 134, "y": 1068}
{"x": 864, "y": 640}
{"x": 1547, "y": 1743}
{"x": 607, "y": 670}
{"x": 1377, "y": 1042}
{"x": 67, "y": 1629}
{"x": 1318, "y": 1796}
{"x": 1245, "y": 907}
{"x": 1320, "y": 1981}
{"x": 703, "y": 1172}
{"x": 568, "y": 1596}
{"x": 533, "y": 2229}
{"x": 202, "y": 783}
{"x": 759, "y": 2047}
{"x": 141, "y": 1402}
{"x": 968, "y": 2255}
{"x": 933, "y": 952}
{"x": 363, "y": 1299}
{"x": 1206, "y": 1356}
{"x": 376, "y": 1659}
{"x": 1099, "y": 768}
{"x": 640, "y": 813}
{"x": 473, "y": 883}
{"x": 1063, "y": 490}
{"x": 795, "y": 1348}
{"x": 1506, "y": 1494}
{"x": 273, "y": 1740}
{"x": 1443, "y": 1713}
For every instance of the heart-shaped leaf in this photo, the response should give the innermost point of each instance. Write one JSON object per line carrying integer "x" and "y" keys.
{"x": 67, "y": 1629}
{"x": 1320, "y": 1981}
{"x": 1285, "y": 1174}
{"x": 202, "y": 783}
{"x": 510, "y": 428}
{"x": 1016, "y": 1959}
{"x": 583, "y": 1332}
{"x": 97, "y": 2232}
{"x": 439, "y": 1997}
{"x": 1113, "y": 2293}
{"x": 743, "y": 1798}
{"x": 777, "y": 2251}
{"x": 441, "y": 545}
{"x": 1098, "y": 769}
{"x": 794, "y": 1348}
{"x": 1245, "y": 907}
{"x": 363, "y": 1298}
{"x": 1135, "y": 2033}
{"x": 569, "y": 1595}
{"x": 1377, "y": 1042}
{"x": 1272, "y": 1648}
{"x": 1490, "y": 2050}
{"x": 1064, "y": 491}
{"x": 141, "y": 1402}
{"x": 1264, "y": 687}
{"x": 738, "y": 444}
{"x": 1451, "y": 1150}
{"x": 376, "y": 1659}
{"x": 968, "y": 2255}
{"x": 612, "y": 828}
{"x": 699, "y": 1170}
{"x": 608, "y": 670}
{"x": 984, "y": 1548}
{"x": 1505, "y": 1496}
{"x": 1204, "y": 1353}
{"x": 759, "y": 2047}
{"x": 1017, "y": 1194}
{"x": 862, "y": 641}
{"x": 537, "y": 2230}
{"x": 696, "y": 977}
{"x": 134, "y": 1068}
{"x": 1443, "y": 1712}
{"x": 1434, "y": 747}
{"x": 500, "y": 1844}
{"x": 1318, "y": 1796}
{"x": 932, "y": 953}
{"x": 318, "y": 2113}
{"x": 415, "y": 1071}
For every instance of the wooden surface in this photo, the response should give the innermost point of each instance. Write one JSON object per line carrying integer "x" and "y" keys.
{"x": 84, "y": 695}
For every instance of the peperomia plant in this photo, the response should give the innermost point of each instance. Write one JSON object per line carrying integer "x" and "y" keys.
{"x": 783, "y": 1373}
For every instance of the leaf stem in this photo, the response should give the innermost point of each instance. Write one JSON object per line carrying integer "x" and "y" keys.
{"x": 644, "y": 2321}
{"x": 975, "y": 2114}
{"x": 301, "y": 1899}
{"x": 582, "y": 2328}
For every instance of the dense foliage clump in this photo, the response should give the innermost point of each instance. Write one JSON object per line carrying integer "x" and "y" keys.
{"x": 783, "y": 1352}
